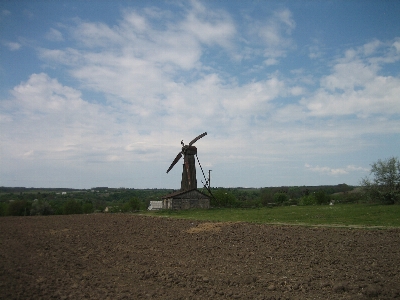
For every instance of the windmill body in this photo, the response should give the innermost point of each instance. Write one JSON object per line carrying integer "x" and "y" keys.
{"x": 188, "y": 196}
{"x": 189, "y": 181}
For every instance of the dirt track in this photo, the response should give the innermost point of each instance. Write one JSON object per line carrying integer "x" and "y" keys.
{"x": 116, "y": 256}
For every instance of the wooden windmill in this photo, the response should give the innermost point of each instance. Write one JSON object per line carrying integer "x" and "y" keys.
{"x": 189, "y": 181}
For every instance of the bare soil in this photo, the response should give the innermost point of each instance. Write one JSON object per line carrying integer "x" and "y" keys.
{"x": 122, "y": 256}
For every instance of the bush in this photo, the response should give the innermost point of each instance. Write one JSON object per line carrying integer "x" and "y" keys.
{"x": 344, "y": 198}
{"x": 3, "y": 209}
{"x": 72, "y": 207}
{"x": 281, "y": 198}
{"x": 87, "y": 208}
{"x": 308, "y": 200}
{"x": 223, "y": 199}
{"x": 41, "y": 208}
{"x": 132, "y": 205}
{"x": 292, "y": 202}
{"x": 19, "y": 208}
{"x": 322, "y": 198}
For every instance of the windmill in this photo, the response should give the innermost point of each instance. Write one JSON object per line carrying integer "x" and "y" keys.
{"x": 189, "y": 181}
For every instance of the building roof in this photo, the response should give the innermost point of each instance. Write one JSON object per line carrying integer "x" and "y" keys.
{"x": 180, "y": 192}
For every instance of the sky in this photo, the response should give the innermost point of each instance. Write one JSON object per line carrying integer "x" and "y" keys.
{"x": 291, "y": 93}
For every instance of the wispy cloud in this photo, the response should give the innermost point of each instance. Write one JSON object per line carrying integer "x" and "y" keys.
{"x": 13, "y": 46}
{"x": 356, "y": 87}
{"x": 54, "y": 35}
{"x": 336, "y": 171}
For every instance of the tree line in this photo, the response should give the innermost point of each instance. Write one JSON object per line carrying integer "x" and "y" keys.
{"x": 381, "y": 187}
{"x": 28, "y": 202}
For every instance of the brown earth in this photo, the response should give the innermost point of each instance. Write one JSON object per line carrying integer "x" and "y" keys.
{"x": 122, "y": 256}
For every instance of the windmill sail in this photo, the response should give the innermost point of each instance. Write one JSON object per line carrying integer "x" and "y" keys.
{"x": 177, "y": 158}
{"x": 197, "y": 138}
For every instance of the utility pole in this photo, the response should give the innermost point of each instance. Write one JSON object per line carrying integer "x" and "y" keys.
{"x": 209, "y": 178}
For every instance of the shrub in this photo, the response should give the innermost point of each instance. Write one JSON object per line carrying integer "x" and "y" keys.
{"x": 19, "y": 208}
{"x": 41, "y": 208}
{"x": 280, "y": 198}
{"x": 308, "y": 200}
{"x": 292, "y": 202}
{"x": 87, "y": 208}
{"x": 72, "y": 207}
{"x": 3, "y": 209}
{"x": 132, "y": 205}
{"x": 223, "y": 199}
{"x": 322, "y": 198}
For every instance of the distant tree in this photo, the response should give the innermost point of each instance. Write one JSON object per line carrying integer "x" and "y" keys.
{"x": 72, "y": 207}
{"x": 384, "y": 187}
{"x": 87, "y": 207}
{"x": 135, "y": 203}
{"x": 266, "y": 197}
{"x": 41, "y": 207}
{"x": 19, "y": 208}
{"x": 99, "y": 204}
{"x": 132, "y": 205}
{"x": 223, "y": 198}
{"x": 321, "y": 197}
{"x": 3, "y": 209}
{"x": 281, "y": 198}
{"x": 308, "y": 200}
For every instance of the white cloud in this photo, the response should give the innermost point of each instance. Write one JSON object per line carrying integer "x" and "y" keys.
{"x": 13, "y": 46}
{"x": 54, "y": 35}
{"x": 138, "y": 66}
{"x": 164, "y": 76}
{"x": 51, "y": 121}
{"x": 276, "y": 32}
{"x": 209, "y": 27}
{"x": 337, "y": 171}
{"x": 356, "y": 87}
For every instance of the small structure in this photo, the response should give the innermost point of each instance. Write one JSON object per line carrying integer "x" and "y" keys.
{"x": 155, "y": 205}
{"x": 186, "y": 200}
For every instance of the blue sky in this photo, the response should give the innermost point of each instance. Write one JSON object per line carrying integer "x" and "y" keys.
{"x": 100, "y": 93}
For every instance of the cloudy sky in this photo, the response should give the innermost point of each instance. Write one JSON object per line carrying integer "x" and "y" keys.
{"x": 100, "y": 93}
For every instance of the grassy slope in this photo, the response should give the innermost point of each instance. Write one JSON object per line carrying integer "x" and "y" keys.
{"x": 340, "y": 215}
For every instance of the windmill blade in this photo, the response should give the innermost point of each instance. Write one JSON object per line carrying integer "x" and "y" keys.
{"x": 199, "y": 137}
{"x": 177, "y": 158}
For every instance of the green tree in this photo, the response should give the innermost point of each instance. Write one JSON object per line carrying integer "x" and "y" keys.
{"x": 132, "y": 205}
{"x": 266, "y": 196}
{"x": 3, "y": 209}
{"x": 42, "y": 208}
{"x": 321, "y": 197}
{"x": 19, "y": 208}
{"x": 223, "y": 198}
{"x": 72, "y": 207}
{"x": 384, "y": 187}
{"x": 281, "y": 198}
{"x": 87, "y": 207}
{"x": 308, "y": 199}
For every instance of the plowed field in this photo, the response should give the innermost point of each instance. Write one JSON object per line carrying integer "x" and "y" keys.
{"x": 122, "y": 256}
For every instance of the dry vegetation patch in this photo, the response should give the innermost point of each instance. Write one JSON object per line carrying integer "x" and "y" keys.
{"x": 206, "y": 227}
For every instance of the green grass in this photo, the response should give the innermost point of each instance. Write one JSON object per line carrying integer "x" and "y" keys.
{"x": 337, "y": 215}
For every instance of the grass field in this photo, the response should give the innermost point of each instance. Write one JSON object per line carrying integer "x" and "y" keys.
{"x": 351, "y": 215}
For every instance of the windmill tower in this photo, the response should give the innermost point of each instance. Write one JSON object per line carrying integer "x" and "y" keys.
{"x": 188, "y": 196}
{"x": 189, "y": 181}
